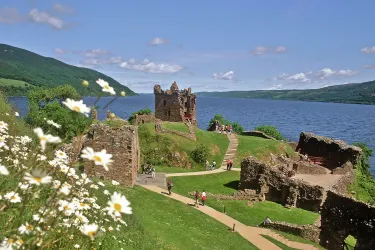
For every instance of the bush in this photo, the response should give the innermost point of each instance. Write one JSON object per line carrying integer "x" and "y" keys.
{"x": 200, "y": 154}
{"x": 236, "y": 127}
{"x": 46, "y": 105}
{"x": 139, "y": 112}
{"x": 271, "y": 131}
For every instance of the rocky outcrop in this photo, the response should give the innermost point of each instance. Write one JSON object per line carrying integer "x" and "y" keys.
{"x": 308, "y": 232}
{"x": 257, "y": 133}
{"x": 334, "y": 152}
{"x": 279, "y": 187}
{"x": 123, "y": 144}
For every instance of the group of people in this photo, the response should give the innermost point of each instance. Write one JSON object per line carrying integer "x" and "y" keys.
{"x": 224, "y": 129}
{"x": 210, "y": 167}
{"x": 203, "y": 197}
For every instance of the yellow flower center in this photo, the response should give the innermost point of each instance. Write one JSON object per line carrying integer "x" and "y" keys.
{"x": 66, "y": 207}
{"x": 106, "y": 87}
{"x": 91, "y": 234}
{"x": 10, "y": 241}
{"x": 29, "y": 227}
{"x": 43, "y": 138}
{"x": 117, "y": 207}
{"x": 97, "y": 158}
{"x": 13, "y": 197}
{"x": 76, "y": 109}
{"x": 61, "y": 153}
{"x": 20, "y": 241}
{"x": 38, "y": 179}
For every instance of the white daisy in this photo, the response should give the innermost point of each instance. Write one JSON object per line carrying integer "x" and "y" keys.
{"x": 13, "y": 197}
{"x": 76, "y": 246}
{"x": 118, "y": 204}
{"x": 16, "y": 114}
{"x": 44, "y": 139}
{"x": 105, "y": 86}
{"x": 3, "y": 125}
{"x": 61, "y": 155}
{"x": 100, "y": 158}
{"x": 37, "y": 177}
{"x": 77, "y": 106}
{"x": 51, "y": 122}
{"x": 115, "y": 183}
{"x": 90, "y": 230}
{"x": 25, "y": 229}
{"x": 3, "y": 170}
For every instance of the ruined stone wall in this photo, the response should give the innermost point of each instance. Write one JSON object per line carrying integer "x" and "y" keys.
{"x": 123, "y": 144}
{"x": 309, "y": 232}
{"x": 277, "y": 187}
{"x": 141, "y": 119}
{"x": 304, "y": 167}
{"x": 342, "y": 184}
{"x": 335, "y": 152}
{"x": 343, "y": 216}
{"x": 258, "y": 134}
{"x": 174, "y": 105}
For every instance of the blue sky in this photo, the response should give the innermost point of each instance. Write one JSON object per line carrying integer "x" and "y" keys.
{"x": 207, "y": 45}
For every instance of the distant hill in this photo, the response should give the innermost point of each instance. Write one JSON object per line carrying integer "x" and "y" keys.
{"x": 22, "y": 70}
{"x": 360, "y": 93}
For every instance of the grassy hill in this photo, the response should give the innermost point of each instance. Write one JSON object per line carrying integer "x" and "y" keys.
{"x": 22, "y": 70}
{"x": 360, "y": 93}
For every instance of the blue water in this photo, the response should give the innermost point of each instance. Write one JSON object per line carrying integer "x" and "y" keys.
{"x": 348, "y": 122}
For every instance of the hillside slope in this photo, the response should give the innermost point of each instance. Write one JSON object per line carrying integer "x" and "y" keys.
{"x": 31, "y": 69}
{"x": 361, "y": 93}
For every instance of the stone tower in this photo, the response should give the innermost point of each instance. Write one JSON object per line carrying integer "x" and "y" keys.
{"x": 174, "y": 105}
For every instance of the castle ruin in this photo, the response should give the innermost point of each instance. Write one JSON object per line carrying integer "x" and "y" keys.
{"x": 174, "y": 105}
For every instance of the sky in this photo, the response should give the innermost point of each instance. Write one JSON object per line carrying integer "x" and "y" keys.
{"x": 206, "y": 45}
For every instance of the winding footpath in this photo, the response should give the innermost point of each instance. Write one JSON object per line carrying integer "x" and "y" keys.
{"x": 252, "y": 234}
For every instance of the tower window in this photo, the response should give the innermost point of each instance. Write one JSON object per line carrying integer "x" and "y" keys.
{"x": 165, "y": 102}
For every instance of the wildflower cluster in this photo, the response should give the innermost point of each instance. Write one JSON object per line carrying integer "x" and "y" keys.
{"x": 45, "y": 201}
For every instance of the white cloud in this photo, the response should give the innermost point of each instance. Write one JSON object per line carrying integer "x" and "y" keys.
{"x": 299, "y": 77}
{"x": 90, "y": 62}
{"x": 115, "y": 60}
{"x": 280, "y": 49}
{"x": 224, "y": 76}
{"x": 60, "y": 51}
{"x": 10, "y": 15}
{"x": 45, "y": 18}
{"x": 276, "y": 87}
{"x": 151, "y": 67}
{"x": 260, "y": 50}
{"x": 368, "y": 50}
{"x": 158, "y": 41}
{"x": 327, "y": 72}
{"x": 95, "y": 52}
{"x": 368, "y": 66}
{"x": 59, "y": 8}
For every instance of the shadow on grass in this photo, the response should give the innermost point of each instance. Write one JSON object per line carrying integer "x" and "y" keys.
{"x": 232, "y": 184}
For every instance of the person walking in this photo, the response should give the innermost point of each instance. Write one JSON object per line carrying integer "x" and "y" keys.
{"x": 230, "y": 165}
{"x": 204, "y": 197}
{"x": 197, "y": 198}
{"x": 169, "y": 186}
{"x": 152, "y": 172}
{"x": 213, "y": 165}
{"x": 207, "y": 165}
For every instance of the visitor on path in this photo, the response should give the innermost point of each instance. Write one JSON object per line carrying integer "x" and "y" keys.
{"x": 230, "y": 130}
{"x": 207, "y": 165}
{"x": 228, "y": 164}
{"x": 267, "y": 221}
{"x": 152, "y": 172}
{"x": 169, "y": 186}
{"x": 204, "y": 197}
{"x": 196, "y": 195}
{"x": 213, "y": 165}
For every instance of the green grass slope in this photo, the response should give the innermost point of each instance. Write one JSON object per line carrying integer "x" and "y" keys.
{"x": 360, "y": 93}
{"x": 39, "y": 71}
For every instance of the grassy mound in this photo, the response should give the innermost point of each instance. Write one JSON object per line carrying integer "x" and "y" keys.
{"x": 172, "y": 153}
{"x": 260, "y": 148}
{"x": 176, "y": 126}
{"x": 159, "y": 222}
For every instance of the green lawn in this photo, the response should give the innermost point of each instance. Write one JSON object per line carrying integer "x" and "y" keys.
{"x": 14, "y": 83}
{"x": 260, "y": 148}
{"x": 277, "y": 243}
{"x": 169, "y": 224}
{"x": 179, "y": 126}
{"x": 155, "y": 146}
{"x": 296, "y": 238}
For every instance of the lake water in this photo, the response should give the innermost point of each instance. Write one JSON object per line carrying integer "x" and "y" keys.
{"x": 348, "y": 122}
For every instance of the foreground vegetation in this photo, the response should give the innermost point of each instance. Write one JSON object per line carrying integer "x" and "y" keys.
{"x": 361, "y": 93}
{"x": 171, "y": 152}
{"x": 32, "y": 70}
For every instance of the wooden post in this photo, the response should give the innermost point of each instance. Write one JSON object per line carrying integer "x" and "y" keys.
{"x": 234, "y": 226}
{"x": 224, "y": 210}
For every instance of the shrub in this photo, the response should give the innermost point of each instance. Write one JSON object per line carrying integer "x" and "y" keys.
{"x": 139, "y": 112}
{"x": 200, "y": 154}
{"x": 237, "y": 128}
{"x": 45, "y": 105}
{"x": 270, "y": 131}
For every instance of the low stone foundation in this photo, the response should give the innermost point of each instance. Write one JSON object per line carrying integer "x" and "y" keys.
{"x": 256, "y": 133}
{"x": 142, "y": 119}
{"x": 247, "y": 194}
{"x": 308, "y": 232}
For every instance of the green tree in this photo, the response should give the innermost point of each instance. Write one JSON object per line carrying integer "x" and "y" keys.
{"x": 200, "y": 154}
{"x": 365, "y": 158}
{"x": 139, "y": 112}
{"x": 46, "y": 104}
{"x": 270, "y": 131}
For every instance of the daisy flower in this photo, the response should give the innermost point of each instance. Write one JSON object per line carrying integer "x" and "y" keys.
{"x": 16, "y": 114}
{"x": 13, "y": 197}
{"x": 25, "y": 229}
{"x": 118, "y": 204}
{"x": 61, "y": 155}
{"x": 51, "y": 122}
{"x": 44, "y": 139}
{"x": 3, "y": 170}
{"x": 115, "y": 183}
{"x": 100, "y": 158}
{"x": 77, "y": 106}
{"x": 90, "y": 230}
{"x": 105, "y": 86}
{"x": 37, "y": 177}
{"x": 3, "y": 125}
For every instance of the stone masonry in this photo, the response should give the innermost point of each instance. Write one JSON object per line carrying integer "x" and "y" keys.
{"x": 174, "y": 105}
{"x": 123, "y": 144}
